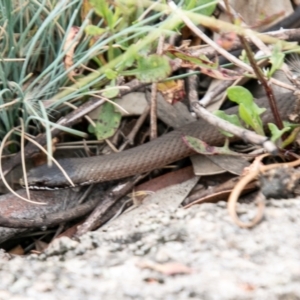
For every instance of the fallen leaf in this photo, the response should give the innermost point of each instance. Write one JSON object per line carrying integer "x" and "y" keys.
{"x": 70, "y": 46}
{"x": 18, "y": 250}
{"x": 173, "y": 90}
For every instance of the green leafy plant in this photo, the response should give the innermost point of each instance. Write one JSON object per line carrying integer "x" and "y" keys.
{"x": 34, "y": 81}
{"x": 151, "y": 68}
{"x": 114, "y": 37}
{"x": 233, "y": 119}
{"x": 276, "y": 134}
{"x": 107, "y": 122}
{"x": 276, "y": 60}
{"x": 249, "y": 112}
{"x": 31, "y": 66}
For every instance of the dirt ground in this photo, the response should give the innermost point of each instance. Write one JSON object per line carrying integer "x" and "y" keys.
{"x": 164, "y": 252}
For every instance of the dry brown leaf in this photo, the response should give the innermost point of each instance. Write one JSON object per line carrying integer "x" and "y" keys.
{"x": 173, "y": 90}
{"x": 40, "y": 246}
{"x": 18, "y": 250}
{"x": 70, "y": 46}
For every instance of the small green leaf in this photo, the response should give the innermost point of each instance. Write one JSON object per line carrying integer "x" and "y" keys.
{"x": 248, "y": 110}
{"x": 292, "y": 136}
{"x": 129, "y": 62}
{"x": 207, "y": 10}
{"x": 107, "y": 122}
{"x": 276, "y": 59}
{"x": 103, "y": 10}
{"x": 112, "y": 90}
{"x": 246, "y": 116}
{"x": 201, "y": 147}
{"x": 289, "y": 124}
{"x": 233, "y": 119}
{"x": 94, "y": 30}
{"x": 111, "y": 74}
{"x": 275, "y": 132}
{"x": 111, "y": 93}
{"x": 239, "y": 95}
{"x": 251, "y": 118}
{"x": 153, "y": 68}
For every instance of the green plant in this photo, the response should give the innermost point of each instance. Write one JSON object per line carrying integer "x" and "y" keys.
{"x": 32, "y": 71}
{"x": 34, "y": 81}
{"x": 250, "y": 113}
{"x": 31, "y": 67}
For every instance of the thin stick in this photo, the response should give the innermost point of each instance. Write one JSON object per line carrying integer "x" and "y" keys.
{"x": 130, "y": 137}
{"x": 94, "y": 220}
{"x": 23, "y": 157}
{"x": 244, "y": 134}
{"x": 235, "y": 194}
{"x": 153, "y": 105}
{"x": 206, "y": 39}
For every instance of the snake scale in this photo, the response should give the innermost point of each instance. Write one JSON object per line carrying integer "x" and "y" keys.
{"x": 147, "y": 157}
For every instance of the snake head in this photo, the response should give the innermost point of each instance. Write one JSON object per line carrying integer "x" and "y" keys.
{"x": 48, "y": 178}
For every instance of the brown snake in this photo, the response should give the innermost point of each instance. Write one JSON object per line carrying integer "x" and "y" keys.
{"x": 155, "y": 154}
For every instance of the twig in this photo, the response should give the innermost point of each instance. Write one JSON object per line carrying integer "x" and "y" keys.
{"x": 206, "y": 39}
{"x": 260, "y": 200}
{"x": 153, "y": 105}
{"x": 130, "y": 137}
{"x": 244, "y": 134}
{"x": 220, "y": 192}
{"x": 283, "y": 34}
{"x": 94, "y": 220}
{"x": 22, "y": 142}
{"x": 153, "y": 111}
{"x": 212, "y": 94}
{"x": 235, "y": 194}
{"x": 192, "y": 88}
{"x": 111, "y": 146}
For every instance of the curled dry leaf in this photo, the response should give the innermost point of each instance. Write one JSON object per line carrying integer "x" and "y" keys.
{"x": 69, "y": 47}
{"x": 173, "y": 90}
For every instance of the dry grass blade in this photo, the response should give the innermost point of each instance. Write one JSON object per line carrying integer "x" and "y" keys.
{"x": 2, "y": 175}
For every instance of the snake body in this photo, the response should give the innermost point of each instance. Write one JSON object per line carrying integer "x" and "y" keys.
{"x": 147, "y": 157}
